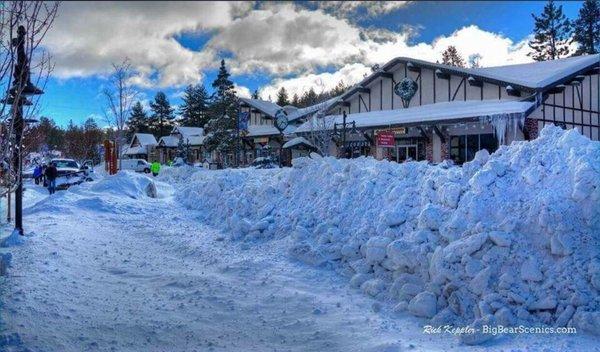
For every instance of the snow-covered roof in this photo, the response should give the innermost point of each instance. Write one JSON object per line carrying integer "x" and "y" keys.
{"x": 445, "y": 111}
{"x": 168, "y": 141}
{"x": 173, "y": 141}
{"x": 267, "y": 130}
{"x": 538, "y": 74}
{"x": 144, "y": 139}
{"x": 266, "y": 107}
{"x": 135, "y": 150}
{"x": 534, "y": 75}
{"x": 303, "y": 112}
{"x": 296, "y": 142}
{"x": 187, "y": 132}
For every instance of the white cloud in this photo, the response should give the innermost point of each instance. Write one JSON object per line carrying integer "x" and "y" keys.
{"x": 88, "y": 36}
{"x": 380, "y": 46}
{"x": 372, "y": 8}
{"x": 349, "y": 74}
{"x": 275, "y": 39}
{"x": 242, "y": 92}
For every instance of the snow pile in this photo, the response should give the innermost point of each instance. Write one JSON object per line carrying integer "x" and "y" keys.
{"x": 508, "y": 239}
{"x": 128, "y": 183}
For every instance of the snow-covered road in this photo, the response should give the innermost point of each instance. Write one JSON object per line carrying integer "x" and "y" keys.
{"x": 121, "y": 274}
{"x": 103, "y": 271}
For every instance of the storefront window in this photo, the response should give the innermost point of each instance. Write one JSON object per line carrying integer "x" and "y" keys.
{"x": 463, "y": 148}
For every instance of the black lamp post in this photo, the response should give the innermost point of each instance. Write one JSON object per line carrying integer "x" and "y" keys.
{"x": 21, "y": 88}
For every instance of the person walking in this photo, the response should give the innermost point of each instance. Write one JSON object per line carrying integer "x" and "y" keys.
{"x": 51, "y": 174}
{"x": 37, "y": 174}
{"x": 155, "y": 168}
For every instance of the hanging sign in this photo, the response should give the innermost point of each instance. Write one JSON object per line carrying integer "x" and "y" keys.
{"x": 406, "y": 90}
{"x": 243, "y": 118}
{"x": 261, "y": 140}
{"x": 386, "y": 139}
{"x": 281, "y": 120}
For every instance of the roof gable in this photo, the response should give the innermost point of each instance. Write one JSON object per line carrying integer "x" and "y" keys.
{"x": 266, "y": 107}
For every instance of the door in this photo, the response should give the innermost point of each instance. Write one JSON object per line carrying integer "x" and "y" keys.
{"x": 406, "y": 152}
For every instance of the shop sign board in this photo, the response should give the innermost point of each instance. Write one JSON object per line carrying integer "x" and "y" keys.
{"x": 386, "y": 139}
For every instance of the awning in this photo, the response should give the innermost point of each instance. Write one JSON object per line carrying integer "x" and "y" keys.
{"x": 297, "y": 142}
{"x": 430, "y": 113}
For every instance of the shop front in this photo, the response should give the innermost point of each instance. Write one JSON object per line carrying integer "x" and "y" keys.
{"x": 400, "y": 144}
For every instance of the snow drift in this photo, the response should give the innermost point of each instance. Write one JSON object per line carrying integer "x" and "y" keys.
{"x": 512, "y": 238}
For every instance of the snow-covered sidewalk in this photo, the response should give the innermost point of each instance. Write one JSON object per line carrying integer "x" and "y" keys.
{"x": 103, "y": 272}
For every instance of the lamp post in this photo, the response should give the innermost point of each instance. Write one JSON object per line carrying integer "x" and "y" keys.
{"x": 281, "y": 123}
{"x": 21, "y": 88}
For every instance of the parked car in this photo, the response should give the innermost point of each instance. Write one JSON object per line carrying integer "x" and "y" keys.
{"x": 70, "y": 173}
{"x": 66, "y": 167}
{"x": 137, "y": 165}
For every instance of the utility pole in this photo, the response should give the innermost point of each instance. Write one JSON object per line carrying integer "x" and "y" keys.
{"x": 22, "y": 87}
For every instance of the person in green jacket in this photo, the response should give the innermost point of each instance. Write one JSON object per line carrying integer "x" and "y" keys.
{"x": 155, "y": 168}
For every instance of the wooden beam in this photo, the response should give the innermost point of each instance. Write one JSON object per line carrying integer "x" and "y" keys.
{"x": 387, "y": 74}
{"x": 474, "y": 82}
{"x": 512, "y": 91}
{"x": 412, "y": 67}
{"x": 363, "y": 90}
{"x": 441, "y": 74}
{"x": 557, "y": 89}
{"x": 423, "y": 134}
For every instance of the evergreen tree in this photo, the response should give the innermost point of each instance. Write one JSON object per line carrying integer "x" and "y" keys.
{"x": 451, "y": 57}
{"x": 184, "y": 150}
{"x": 255, "y": 94}
{"x": 475, "y": 60}
{"x": 223, "y": 114}
{"x": 138, "y": 121}
{"x": 552, "y": 31}
{"x": 295, "y": 100}
{"x": 162, "y": 115}
{"x": 194, "y": 110}
{"x": 586, "y": 28}
{"x": 282, "y": 97}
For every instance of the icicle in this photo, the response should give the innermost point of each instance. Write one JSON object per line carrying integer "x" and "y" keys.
{"x": 500, "y": 123}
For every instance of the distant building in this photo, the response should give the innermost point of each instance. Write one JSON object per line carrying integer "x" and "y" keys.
{"x": 142, "y": 146}
{"x": 192, "y": 136}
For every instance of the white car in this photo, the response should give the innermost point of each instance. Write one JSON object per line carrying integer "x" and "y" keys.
{"x": 137, "y": 165}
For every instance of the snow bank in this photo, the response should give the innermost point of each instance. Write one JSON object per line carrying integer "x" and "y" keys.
{"x": 511, "y": 238}
{"x": 128, "y": 183}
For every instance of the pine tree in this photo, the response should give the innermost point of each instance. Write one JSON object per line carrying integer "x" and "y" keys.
{"x": 475, "y": 60}
{"x": 255, "y": 94}
{"x": 451, "y": 57}
{"x": 184, "y": 149}
{"x": 552, "y": 31}
{"x": 282, "y": 97}
{"x": 586, "y": 28}
{"x": 162, "y": 115}
{"x": 223, "y": 114}
{"x": 194, "y": 110}
{"x": 295, "y": 100}
{"x": 138, "y": 121}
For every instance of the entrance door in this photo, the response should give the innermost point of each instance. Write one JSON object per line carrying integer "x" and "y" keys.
{"x": 406, "y": 152}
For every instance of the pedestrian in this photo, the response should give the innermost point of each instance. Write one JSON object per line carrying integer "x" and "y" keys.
{"x": 51, "y": 174}
{"x": 37, "y": 174}
{"x": 155, "y": 168}
{"x": 44, "y": 180}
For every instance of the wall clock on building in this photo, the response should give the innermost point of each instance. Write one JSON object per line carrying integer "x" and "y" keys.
{"x": 406, "y": 90}
{"x": 281, "y": 120}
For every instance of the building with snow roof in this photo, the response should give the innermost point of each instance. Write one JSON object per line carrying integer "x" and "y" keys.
{"x": 413, "y": 109}
{"x": 192, "y": 136}
{"x": 142, "y": 146}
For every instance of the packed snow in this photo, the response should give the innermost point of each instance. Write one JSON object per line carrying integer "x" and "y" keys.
{"x": 250, "y": 260}
{"x": 509, "y": 239}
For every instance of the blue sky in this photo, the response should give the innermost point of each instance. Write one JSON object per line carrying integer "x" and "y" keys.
{"x": 73, "y": 92}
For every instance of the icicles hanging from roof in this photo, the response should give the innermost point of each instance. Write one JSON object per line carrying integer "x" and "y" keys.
{"x": 502, "y": 123}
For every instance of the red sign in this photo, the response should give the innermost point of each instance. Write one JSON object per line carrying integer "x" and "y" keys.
{"x": 386, "y": 139}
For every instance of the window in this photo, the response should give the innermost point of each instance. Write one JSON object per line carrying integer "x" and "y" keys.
{"x": 463, "y": 148}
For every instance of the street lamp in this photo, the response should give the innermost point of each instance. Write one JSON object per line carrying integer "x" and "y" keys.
{"x": 21, "y": 88}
